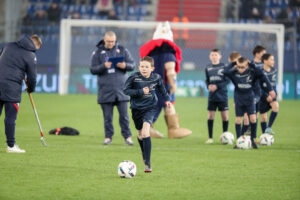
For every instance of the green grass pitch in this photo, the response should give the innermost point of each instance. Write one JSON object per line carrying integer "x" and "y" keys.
{"x": 80, "y": 167}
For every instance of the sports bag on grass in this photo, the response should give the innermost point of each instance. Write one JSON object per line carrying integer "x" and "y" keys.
{"x": 64, "y": 131}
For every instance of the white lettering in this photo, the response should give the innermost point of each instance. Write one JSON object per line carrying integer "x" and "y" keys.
{"x": 51, "y": 88}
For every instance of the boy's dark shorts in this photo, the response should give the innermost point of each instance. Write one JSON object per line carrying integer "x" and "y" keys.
{"x": 221, "y": 106}
{"x": 264, "y": 105}
{"x": 241, "y": 109}
{"x": 141, "y": 116}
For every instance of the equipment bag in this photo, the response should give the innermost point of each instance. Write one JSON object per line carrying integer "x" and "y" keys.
{"x": 64, "y": 131}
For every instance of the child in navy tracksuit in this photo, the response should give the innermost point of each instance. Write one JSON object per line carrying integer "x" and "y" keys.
{"x": 264, "y": 105}
{"x": 141, "y": 87}
{"x": 217, "y": 85}
{"x": 244, "y": 77}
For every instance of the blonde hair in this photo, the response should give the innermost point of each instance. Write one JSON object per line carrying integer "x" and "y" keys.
{"x": 37, "y": 39}
{"x": 110, "y": 34}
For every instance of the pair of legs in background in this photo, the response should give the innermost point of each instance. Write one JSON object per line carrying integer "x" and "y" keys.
{"x": 11, "y": 112}
{"x": 263, "y": 107}
{"x": 212, "y": 107}
{"x": 240, "y": 110}
{"x": 107, "y": 109}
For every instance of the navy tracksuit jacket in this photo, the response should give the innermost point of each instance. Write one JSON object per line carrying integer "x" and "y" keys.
{"x": 215, "y": 75}
{"x": 134, "y": 88}
{"x": 16, "y": 60}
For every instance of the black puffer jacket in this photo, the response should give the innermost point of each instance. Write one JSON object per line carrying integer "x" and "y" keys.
{"x": 16, "y": 60}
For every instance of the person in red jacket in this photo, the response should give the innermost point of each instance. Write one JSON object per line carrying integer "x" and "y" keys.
{"x": 167, "y": 58}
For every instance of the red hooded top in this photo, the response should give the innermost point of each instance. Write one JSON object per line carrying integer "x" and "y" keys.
{"x": 152, "y": 44}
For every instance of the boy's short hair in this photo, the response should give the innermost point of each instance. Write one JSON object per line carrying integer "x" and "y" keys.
{"x": 234, "y": 55}
{"x": 148, "y": 59}
{"x": 37, "y": 39}
{"x": 266, "y": 56}
{"x": 242, "y": 59}
{"x": 258, "y": 49}
{"x": 216, "y": 50}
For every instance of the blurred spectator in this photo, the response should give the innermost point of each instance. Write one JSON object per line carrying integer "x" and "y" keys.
{"x": 76, "y": 15}
{"x": 40, "y": 18}
{"x": 132, "y": 3}
{"x": 294, "y": 4}
{"x": 268, "y": 19}
{"x": 231, "y": 9}
{"x": 104, "y": 6}
{"x": 285, "y": 17}
{"x": 27, "y": 21}
{"x": 253, "y": 9}
{"x": 39, "y": 21}
{"x": 112, "y": 15}
{"x": 54, "y": 13}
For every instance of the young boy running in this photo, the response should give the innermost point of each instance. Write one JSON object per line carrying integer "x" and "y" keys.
{"x": 141, "y": 87}
{"x": 244, "y": 78}
{"x": 218, "y": 99}
{"x": 265, "y": 106}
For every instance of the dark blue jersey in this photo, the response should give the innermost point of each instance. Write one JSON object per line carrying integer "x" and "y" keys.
{"x": 134, "y": 88}
{"x": 215, "y": 75}
{"x": 244, "y": 83}
{"x": 257, "y": 88}
{"x": 272, "y": 77}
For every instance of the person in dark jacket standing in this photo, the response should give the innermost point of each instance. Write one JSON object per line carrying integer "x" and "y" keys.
{"x": 110, "y": 62}
{"x": 17, "y": 59}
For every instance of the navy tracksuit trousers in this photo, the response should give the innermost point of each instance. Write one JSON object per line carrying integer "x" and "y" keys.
{"x": 11, "y": 112}
{"x": 107, "y": 109}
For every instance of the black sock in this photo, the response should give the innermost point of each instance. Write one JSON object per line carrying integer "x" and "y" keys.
{"x": 238, "y": 130}
{"x": 263, "y": 126}
{"x": 147, "y": 149}
{"x": 210, "y": 124}
{"x": 225, "y": 126}
{"x": 272, "y": 118}
{"x": 244, "y": 129}
{"x": 141, "y": 145}
{"x": 253, "y": 130}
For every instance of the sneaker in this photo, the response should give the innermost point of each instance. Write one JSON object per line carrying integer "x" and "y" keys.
{"x": 209, "y": 141}
{"x": 129, "y": 141}
{"x": 15, "y": 149}
{"x": 107, "y": 141}
{"x": 254, "y": 145}
{"x": 235, "y": 147}
{"x": 147, "y": 169}
{"x": 269, "y": 130}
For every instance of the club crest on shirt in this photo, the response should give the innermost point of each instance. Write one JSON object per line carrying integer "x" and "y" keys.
{"x": 152, "y": 86}
{"x": 274, "y": 77}
{"x": 220, "y": 72}
{"x": 249, "y": 80}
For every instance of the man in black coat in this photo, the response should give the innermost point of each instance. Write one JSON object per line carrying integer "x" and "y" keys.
{"x": 17, "y": 59}
{"x": 110, "y": 62}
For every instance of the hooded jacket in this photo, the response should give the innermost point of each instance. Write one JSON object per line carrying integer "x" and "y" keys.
{"x": 110, "y": 84}
{"x": 16, "y": 60}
